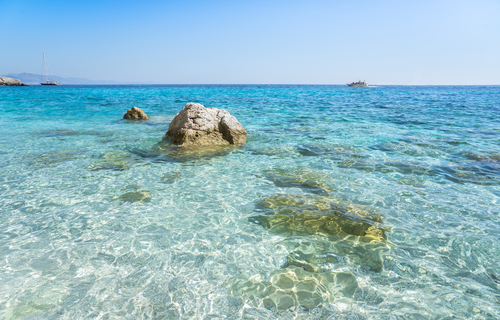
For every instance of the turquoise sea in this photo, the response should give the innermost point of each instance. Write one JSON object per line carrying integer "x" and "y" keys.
{"x": 345, "y": 203}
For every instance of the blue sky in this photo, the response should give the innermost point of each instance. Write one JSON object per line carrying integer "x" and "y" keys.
{"x": 245, "y": 42}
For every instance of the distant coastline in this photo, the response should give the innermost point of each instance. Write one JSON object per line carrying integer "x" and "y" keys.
{"x": 34, "y": 79}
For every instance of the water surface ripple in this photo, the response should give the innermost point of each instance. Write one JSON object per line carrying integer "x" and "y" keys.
{"x": 345, "y": 203}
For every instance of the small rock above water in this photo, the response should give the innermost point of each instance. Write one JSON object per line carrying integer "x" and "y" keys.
{"x": 4, "y": 81}
{"x": 135, "y": 114}
{"x": 196, "y": 125}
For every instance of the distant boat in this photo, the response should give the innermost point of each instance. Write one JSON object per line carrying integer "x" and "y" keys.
{"x": 47, "y": 82}
{"x": 358, "y": 84}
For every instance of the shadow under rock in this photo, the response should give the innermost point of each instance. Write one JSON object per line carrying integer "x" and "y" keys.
{"x": 165, "y": 151}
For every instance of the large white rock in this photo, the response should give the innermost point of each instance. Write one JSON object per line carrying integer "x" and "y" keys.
{"x": 196, "y": 125}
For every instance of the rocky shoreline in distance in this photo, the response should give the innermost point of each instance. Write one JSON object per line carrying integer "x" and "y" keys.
{"x": 4, "y": 81}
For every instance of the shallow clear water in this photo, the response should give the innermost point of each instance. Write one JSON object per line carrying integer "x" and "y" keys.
{"x": 345, "y": 203}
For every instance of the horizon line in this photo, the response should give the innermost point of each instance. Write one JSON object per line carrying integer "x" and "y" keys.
{"x": 256, "y": 84}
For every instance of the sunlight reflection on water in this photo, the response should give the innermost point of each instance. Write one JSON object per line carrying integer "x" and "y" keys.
{"x": 343, "y": 203}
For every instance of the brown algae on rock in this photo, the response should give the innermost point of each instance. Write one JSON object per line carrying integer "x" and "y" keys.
{"x": 135, "y": 114}
{"x": 295, "y": 287}
{"x": 332, "y": 224}
{"x": 350, "y": 230}
{"x": 301, "y": 214}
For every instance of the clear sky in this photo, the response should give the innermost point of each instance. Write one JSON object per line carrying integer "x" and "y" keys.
{"x": 250, "y": 42}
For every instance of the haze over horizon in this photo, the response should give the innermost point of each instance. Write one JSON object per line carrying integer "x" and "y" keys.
{"x": 258, "y": 42}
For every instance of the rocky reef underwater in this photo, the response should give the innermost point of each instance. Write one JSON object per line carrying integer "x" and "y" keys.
{"x": 338, "y": 204}
{"x": 319, "y": 231}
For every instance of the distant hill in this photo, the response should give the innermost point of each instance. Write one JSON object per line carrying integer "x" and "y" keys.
{"x": 34, "y": 79}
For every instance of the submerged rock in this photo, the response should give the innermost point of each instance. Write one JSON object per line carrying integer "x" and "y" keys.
{"x": 196, "y": 125}
{"x": 304, "y": 178}
{"x": 4, "y": 81}
{"x": 58, "y": 133}
{"x": 347, "y": 230}
{"x": 170, "y": 177}
{"x": 52, "y": 158}
{"x": 296, "y": 287}
{"x": 135, "y": 196}
{"x": 114, "y": 160}
{"x": 330, "y": 151}
{"x": 135, "y": 114}
{"x": 309, "y": 261}
{"x": 293, "y": 214}
{"x": 314, "y": 253}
